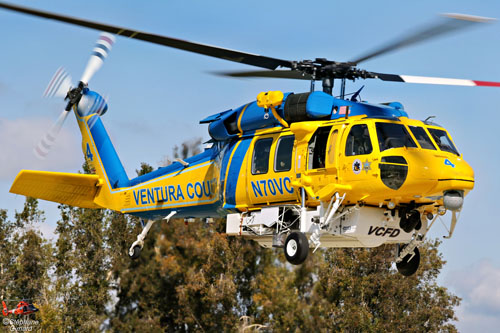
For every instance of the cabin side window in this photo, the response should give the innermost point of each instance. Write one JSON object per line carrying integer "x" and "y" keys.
{"x": 260, "y": 159}
{"x": 358, "y": 141}
{"x": 317, "y": 148}
{"x": 284, "y": 149}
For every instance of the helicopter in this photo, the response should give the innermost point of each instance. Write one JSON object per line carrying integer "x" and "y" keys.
{"x": 23, "y": 308}
{"x": 288, "y": 170}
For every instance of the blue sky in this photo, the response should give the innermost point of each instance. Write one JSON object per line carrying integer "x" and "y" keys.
{"x": 158, "y": 95}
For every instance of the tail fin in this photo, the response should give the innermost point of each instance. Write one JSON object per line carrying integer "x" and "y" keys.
{"x": 99, "y": 151}
{"x": 87, "y": 191}
{"x": 5, "y": 309}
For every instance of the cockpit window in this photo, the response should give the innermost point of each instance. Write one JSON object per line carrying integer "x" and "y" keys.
{"x": 423, "y": 139}
{"x": 392, "y": 135}
{"x": 358, "y": 141}
{"x": 443, "y": 141}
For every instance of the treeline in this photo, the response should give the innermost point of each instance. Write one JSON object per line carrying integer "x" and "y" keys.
{"x": 191, "y": 277}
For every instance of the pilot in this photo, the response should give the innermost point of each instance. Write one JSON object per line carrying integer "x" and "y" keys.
{"x": 359, "y": 140}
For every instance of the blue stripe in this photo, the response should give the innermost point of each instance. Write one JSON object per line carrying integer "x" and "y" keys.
{"x": 225, "y": 162}
{"x": 207, "y": 155}
{"x": 102, "y": 47}
{"x": 196, "y": 203}
{"x": 208, "y": 210}
{"x": 233, "y": 174}
{"x": 99, "y": 55}
{"x": 110, "y": 160}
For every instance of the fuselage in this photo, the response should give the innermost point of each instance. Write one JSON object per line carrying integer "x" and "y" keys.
{"x": 373, "y": 161}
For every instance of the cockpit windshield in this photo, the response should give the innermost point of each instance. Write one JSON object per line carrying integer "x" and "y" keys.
{"x": 392, "y": 135}
{"x": 423, "y": 139}
{"x": 443, "y": 140}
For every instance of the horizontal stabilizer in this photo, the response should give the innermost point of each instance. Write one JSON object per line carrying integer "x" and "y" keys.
{"x": 67, "y": 188}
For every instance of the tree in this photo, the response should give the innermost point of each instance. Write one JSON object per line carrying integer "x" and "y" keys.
{"x": 82, "y": 266}
{"x": 356, "y": 290}
{"x": 30, "y": 272}
{"x": 7, "y": 254}
{"x": 135, "y": 283}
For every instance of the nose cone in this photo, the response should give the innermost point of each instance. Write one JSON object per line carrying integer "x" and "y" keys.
{"x": 450, "y": 174}
{"x": 454, "y": 167}
{"x": 427, "y": 175}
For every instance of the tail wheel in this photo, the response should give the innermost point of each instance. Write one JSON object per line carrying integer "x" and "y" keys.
{"x": 409, "y": 265}
{"x": 296, "y": 248}
{"x": 135, "y": 253}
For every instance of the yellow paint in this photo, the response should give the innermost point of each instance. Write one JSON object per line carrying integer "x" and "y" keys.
{"x": 270, "y": 100}
{"x": 241, "y": 116}
{"x": 66, "y": 188}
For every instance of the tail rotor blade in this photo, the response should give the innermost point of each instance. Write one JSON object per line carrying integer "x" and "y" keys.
{"x": 43, "y": 147}
{"x": 100, "y": 52}
{"x": 59, "y": 85}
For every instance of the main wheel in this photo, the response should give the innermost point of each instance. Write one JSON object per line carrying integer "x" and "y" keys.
{"x": 296, "y": 248}
{"x": 408, "y": 267}
{"x": 136, "y": 252}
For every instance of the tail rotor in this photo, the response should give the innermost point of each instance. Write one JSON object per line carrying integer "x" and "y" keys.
{"x": 61, "y": 86}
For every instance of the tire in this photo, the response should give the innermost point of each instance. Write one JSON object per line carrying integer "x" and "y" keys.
{"x": 137, "y": 252}
{"x": 408, "y": 268}
{"x": 296, "y": 248}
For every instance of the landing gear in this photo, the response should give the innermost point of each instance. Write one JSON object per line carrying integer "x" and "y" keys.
{"x": 296, "y": 248}
{"x": 410, "y": 262}
{"x": 135, "y": 250}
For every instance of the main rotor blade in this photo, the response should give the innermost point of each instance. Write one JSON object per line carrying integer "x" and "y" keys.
{"x": 449, "y": 23}
{"x": 278, "y": 74}
{"x": 208, "y": 50}
{"x": 434, "y": 80}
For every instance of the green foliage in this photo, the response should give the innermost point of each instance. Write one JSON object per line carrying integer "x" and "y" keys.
{"x": 7, "y": 254}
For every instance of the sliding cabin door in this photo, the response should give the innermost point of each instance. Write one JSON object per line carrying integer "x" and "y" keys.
{"x": 270, "y": 169}
{"x": 322, "y": 158}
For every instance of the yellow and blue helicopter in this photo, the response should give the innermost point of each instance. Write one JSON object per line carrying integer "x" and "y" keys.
{"x": 290, "y": 170}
